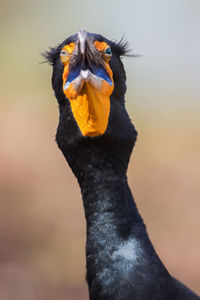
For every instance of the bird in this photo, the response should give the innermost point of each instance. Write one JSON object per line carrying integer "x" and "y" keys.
{"x": 96, "y": 137}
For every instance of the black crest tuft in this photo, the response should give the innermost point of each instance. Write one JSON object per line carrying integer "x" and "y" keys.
{"x": 121, "y": 48}
{"x": 51, "y": 55}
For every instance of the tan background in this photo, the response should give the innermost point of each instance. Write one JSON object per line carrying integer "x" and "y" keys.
{"x": 42, "y": 226}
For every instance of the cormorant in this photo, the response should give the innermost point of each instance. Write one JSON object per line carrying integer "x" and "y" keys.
{"x": 96, "y": 137}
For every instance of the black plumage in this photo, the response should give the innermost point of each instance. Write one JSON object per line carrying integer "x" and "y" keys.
{"x": 121, "y": 261}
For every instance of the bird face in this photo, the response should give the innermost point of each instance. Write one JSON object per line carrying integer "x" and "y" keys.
{"x": 88, "y": 82}
{"x": 87, "y": 74}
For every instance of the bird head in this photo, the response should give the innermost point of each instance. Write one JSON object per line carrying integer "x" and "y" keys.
{"x": 89, "y": 82}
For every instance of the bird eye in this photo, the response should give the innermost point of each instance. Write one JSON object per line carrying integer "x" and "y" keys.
{"x": 66, "y": 52}
{"x": 104, "y": 49}
{"x": 64, "y": 56}
{"x": 108, "y": 51}
{"x": 63, "y": 53}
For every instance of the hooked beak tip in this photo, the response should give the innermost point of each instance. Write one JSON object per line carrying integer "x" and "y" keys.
{"x": 82, "y": 34}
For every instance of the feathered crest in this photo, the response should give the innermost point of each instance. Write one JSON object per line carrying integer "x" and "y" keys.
{"x": 51, "y": 55}
{"x": 122, "y": 48}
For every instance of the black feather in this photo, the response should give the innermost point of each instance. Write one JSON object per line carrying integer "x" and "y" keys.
{"x": 51, "y": 55}
{"x": 121, "y": 48}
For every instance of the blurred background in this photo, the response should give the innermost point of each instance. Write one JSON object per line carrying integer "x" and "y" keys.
{"x": 42, "y": 225}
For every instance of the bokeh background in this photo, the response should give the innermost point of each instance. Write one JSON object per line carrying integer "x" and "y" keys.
{"x": 42, "y": 225}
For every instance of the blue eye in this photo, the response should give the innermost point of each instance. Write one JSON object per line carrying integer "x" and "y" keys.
{"x": 63, "y": 53}
{"x": 108, "y": 51}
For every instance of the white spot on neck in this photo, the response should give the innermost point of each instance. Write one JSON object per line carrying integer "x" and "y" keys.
{"x": 129, "y": 250}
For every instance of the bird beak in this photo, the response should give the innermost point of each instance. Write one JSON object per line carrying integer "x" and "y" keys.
{"x": 82, "y": 35}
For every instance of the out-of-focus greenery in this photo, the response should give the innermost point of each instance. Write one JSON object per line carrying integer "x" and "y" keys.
{"x": 42, "y": 226}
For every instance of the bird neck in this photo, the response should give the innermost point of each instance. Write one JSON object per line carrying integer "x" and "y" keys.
{"x": 100, "y": 168}
{"x": 117, "y": 241}
{"x": 109, "y": 207}
{"x": 107, "y": 199}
